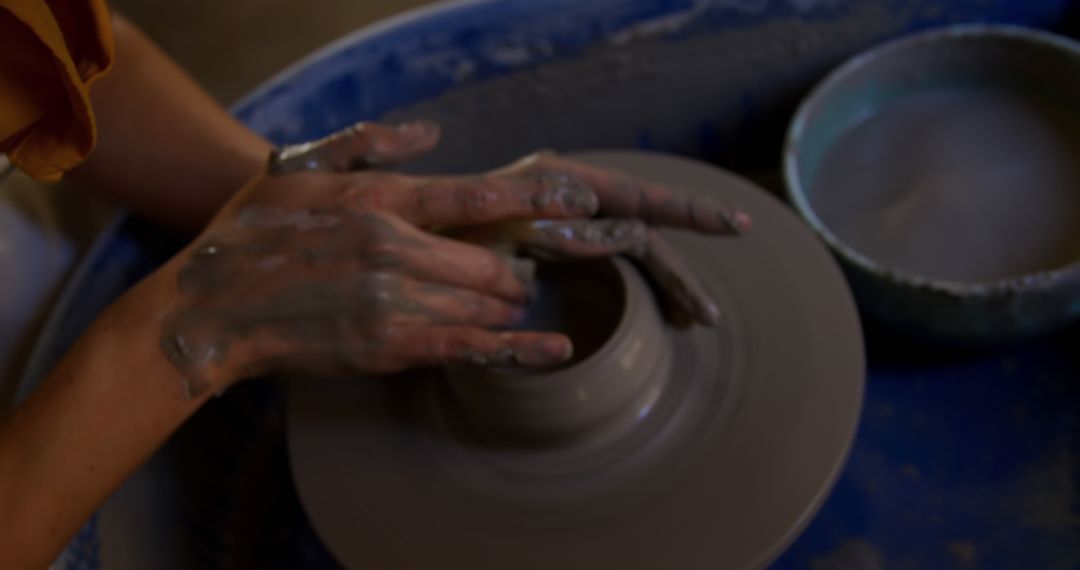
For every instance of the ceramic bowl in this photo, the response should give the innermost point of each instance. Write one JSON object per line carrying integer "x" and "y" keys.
{"x": 621, "y": 360}
{"x": 971, "y": 61}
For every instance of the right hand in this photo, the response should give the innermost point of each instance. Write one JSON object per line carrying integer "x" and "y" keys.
{"x": 313, "y": 267}
{"x": 331, "y": 273}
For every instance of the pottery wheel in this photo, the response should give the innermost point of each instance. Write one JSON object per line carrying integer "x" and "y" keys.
{"x": 727, "y": 467}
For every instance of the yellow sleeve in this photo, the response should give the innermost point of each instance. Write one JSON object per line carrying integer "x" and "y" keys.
{"x": 51, "y": 51}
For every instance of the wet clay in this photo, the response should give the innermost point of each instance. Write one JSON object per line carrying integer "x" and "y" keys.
{"x": 357, "y": 147}
{"x": 612, "y": 384}
{"x": 582, "y": 299}
{"x": 759, "y": 410}
{"x": 963, "y": 184}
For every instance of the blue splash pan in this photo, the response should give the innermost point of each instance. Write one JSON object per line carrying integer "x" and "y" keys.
{"x": 962, "y": 459}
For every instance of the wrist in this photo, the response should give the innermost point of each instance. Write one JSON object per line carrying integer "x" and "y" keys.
{"x": 185, "y": 352}
{"x": 194, "y": 333}
{"x": 108, "y": 404}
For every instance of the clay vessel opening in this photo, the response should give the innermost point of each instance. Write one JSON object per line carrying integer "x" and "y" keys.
{"x": 583, "y": 299}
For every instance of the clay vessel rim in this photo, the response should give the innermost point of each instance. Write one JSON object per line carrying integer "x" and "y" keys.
{"x": 601, "y": 357}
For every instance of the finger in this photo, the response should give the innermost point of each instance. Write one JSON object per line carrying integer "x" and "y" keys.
{"x": 393, "y": 298}
{"x": 405, "y": 248}
{"x": 586, "y": 238}
{"x": 378, "y": 321}
{"x": 387, "y": 298}
{"x": 358, "y": 147}
{"x": 459, "y": 264}
{"x": 685, "y": 297}
{"x": 687, "y": 300}
{"x": 468, "y": 200}
{"x": 572, "y": 238}
{"x": 434, "y": 303}
{"x": 622, "y": 196}
{"x": 441, "y": 345}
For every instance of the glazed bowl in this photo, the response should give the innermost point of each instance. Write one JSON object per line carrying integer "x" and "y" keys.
{"x": 943, "y": 170}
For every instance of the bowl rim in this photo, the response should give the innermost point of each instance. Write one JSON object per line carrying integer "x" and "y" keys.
{"x": 796, "y": 194}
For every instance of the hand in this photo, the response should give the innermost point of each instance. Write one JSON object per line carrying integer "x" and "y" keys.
{"x": 330, "y": 272}
{"x": 629, "y": 207}
{"x": 314, "y": 268}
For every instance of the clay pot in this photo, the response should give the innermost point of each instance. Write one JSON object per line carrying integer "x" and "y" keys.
{"x": 622, "y": 359}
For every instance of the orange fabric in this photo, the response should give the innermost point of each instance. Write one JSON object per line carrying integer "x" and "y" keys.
{"x": 51, "y": 51}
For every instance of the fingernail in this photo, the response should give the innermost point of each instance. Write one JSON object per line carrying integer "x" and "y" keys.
{"x": 743, "y": 221}
{"x": 708, "y": 314}
{"x": 716, "y": 216}
{"x": 542, "y": 354}
{"x": 418, "y": 131}
{"x": 564, "y": 350}
{"x": 553, "y": 351}
{"x": 734, "y": 221}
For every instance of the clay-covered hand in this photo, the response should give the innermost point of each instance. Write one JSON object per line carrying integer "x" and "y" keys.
{"x": 628, "y": 210}
{"x": 330, "y": 272}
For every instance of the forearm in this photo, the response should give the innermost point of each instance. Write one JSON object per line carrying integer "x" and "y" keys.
{"x": 166, "y": 149}
{"x": 101, "y": 412}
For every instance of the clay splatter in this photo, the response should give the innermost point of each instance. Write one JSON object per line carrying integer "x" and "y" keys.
{"x": 856, "y": 553}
